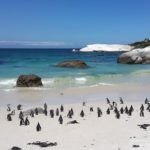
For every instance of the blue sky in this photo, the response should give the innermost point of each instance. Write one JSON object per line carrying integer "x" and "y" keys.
{"x": 72, "y": 23}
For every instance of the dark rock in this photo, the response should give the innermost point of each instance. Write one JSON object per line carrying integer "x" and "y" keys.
{"x": 15, "y": 148}
{"x": 73, "y": 122}
{"x": 43, "y": 144}
{"x": 144, "y": 126}
{"x": 29, "y": 81}
{"x": 135, "y": 146}
{"x": 72, "y": 64}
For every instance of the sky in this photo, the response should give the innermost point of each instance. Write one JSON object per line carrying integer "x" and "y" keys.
{"x": 72, "y": 23}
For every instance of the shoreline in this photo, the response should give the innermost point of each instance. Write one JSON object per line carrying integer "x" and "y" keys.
{"x": 32, "y": 96}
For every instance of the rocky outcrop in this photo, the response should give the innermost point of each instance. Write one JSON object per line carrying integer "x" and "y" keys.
{"x": 73, "y": 64}
{"x": 29, "y": 81}
{"x": 136, "y": 56}
{"x": 140, "y": 44}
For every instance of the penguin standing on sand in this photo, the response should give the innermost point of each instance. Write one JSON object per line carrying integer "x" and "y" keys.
{"x": 22, "y": 122}
{"x": 108, "y": 111}
{"x": 45, "y": 106}
{"x": 72, "y": 112}
{"x": 32, "y": 113}
{"x": 27, "y": 121}
{"x": 91, "y": 109}
{"x": 108, "y": 101}
{"x": 69, "y": 115}
{"x": 142, "y": 107}
{"x": 121, "y": 100}
{"x": 9, "y": 117}
{"x": 21, "y": 114}
{"x": 60, "y": 119}
{"x": 82, "y": 113}
{"x": 8, "y": 107}
{"x": 19, "y": 107}
{"x": 52, "y": 113}
{"x": 146, "y": 101}
{"x": 99, "y": 112}
{"x": 121, "y": 110}
{"x": 36, "y": 111}
{"x": 38, "y": 127}
{"x": 61, "y": 108}
{"x": 83, "y": 104}
{"x": 126, "y": 110}
{"x": 57, "y": 112}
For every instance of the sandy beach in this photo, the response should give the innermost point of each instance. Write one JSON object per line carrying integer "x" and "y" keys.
{"x": 90, "y": 133}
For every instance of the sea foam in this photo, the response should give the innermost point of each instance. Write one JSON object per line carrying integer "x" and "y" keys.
{"x": 81, "y": 80}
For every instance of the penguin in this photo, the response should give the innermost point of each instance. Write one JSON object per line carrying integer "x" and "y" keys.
{"x": 8, "y": 107}
{"x": 27, "y": 121}
{"x": 108, "y": 101}
{"x": 82, "y": 113}
{"x": 108, "y": 111}
{"x": 45, "y": 106}
{"x": 9, "y": 118}
{"x": 146, "y": 101}
{"x": 60, "y": 119}
{"x": 91, "y": 109}
{"x": 52, "y": 113}
{"x": 61, "y": 108}
{"x": 19, "y": 107}
{"x": 38, "y": 127}
{"x": 21, "y": 114}
{"x": 121, "y": 100}
{"x": 142, "y": 107}
{"x": 57, "y": 112}
{"x": 83, "y": 103}
{"x": 22, "y": 122}
{"x": 32, "y": 113}
{"x": 36, "y": 111}
{"x": 121, "y": 110}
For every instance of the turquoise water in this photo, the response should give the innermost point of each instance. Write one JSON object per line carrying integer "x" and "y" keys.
{"x": 103, "y": 68}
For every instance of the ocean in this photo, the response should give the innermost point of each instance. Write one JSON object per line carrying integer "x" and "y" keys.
{"x": 103, "y": 69}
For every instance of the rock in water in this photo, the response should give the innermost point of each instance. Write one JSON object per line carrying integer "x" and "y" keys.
{"x": 29, "y": 81}
{"x": 135, "y": 56}
{"x": 72, "y": 64}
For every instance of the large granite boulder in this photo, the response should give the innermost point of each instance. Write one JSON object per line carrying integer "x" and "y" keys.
{"x": 29, "y": 81}
{"x": 72, "y": 64}
{"x": 135, "y": 56}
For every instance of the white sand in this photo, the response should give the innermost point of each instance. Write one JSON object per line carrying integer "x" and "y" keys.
{"x": 92, "y": 133}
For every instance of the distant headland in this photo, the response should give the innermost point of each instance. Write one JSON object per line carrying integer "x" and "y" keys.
{"x": 115, "y": 47}
{"x": 141, "y": 44}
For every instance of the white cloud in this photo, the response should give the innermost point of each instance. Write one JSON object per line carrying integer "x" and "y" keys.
{"x": 34, "y": 43}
